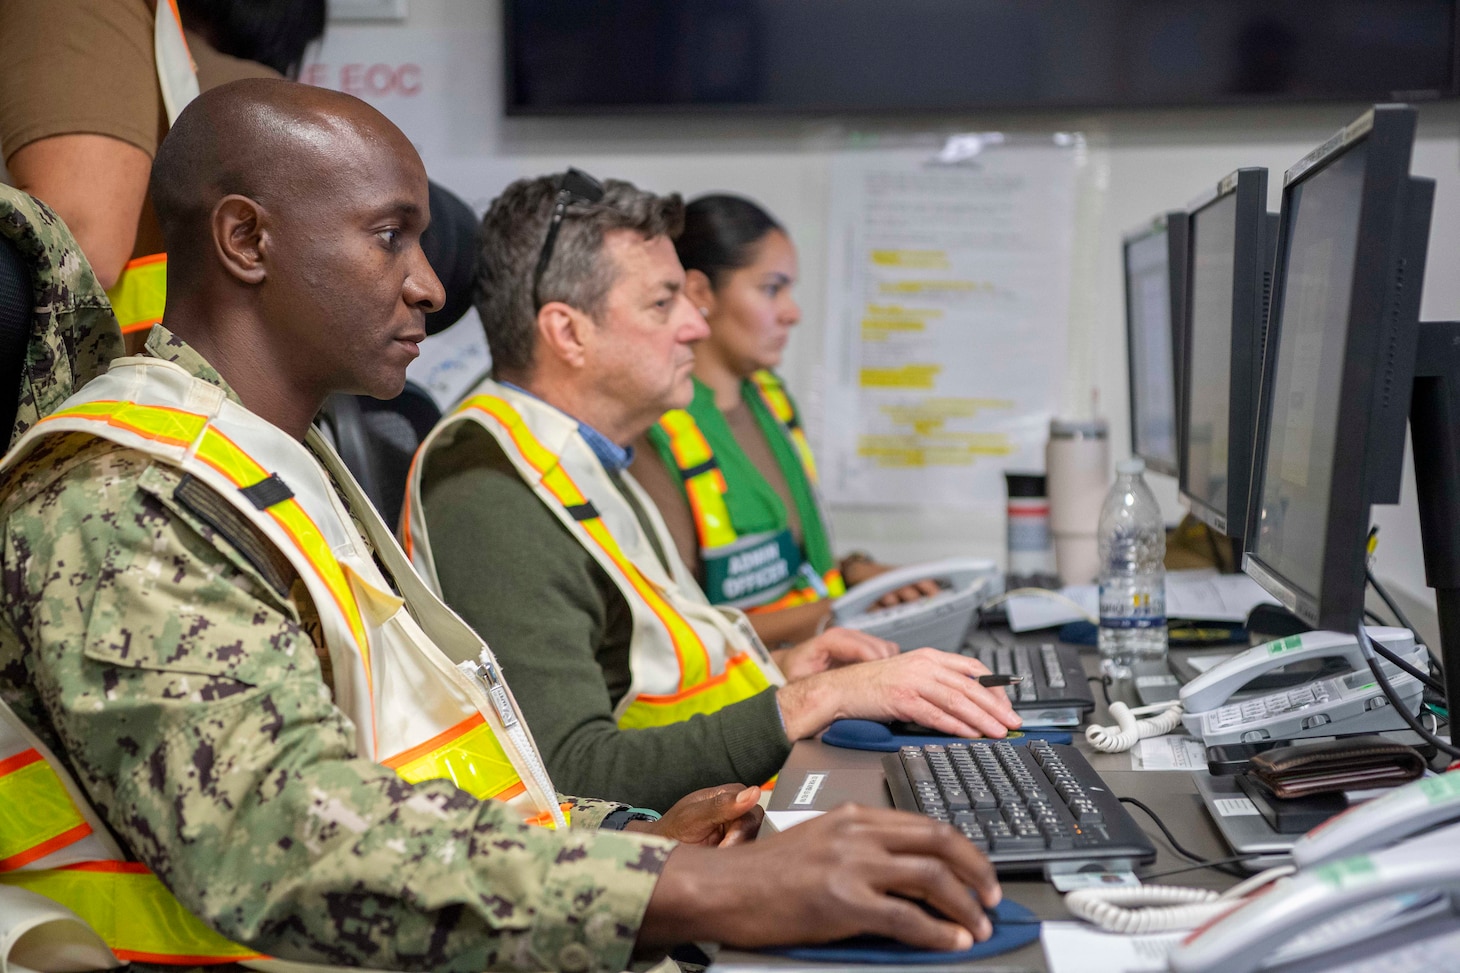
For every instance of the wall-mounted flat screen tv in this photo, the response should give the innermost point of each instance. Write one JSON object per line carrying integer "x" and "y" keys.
{"x": 795, "y": 56}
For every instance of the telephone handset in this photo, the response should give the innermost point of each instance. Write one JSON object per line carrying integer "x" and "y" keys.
{"x": 938, "y": 620}
{"x": 1349, "y": 888}
{"x": 1343, "y": 699}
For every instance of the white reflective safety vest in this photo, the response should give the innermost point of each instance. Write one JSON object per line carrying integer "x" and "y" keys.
{"x": 424, "y": 692}
{"x": 687, "y": 656}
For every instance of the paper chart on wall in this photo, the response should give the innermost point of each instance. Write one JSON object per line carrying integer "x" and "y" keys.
{"x": 948, "y": 315}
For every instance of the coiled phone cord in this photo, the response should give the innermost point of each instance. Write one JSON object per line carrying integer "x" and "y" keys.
{"x": 1161, "y": 908}
{"x": 1128, "y": 730}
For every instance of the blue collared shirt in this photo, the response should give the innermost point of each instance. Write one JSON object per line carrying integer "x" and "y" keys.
{"x": 615, "y": 458}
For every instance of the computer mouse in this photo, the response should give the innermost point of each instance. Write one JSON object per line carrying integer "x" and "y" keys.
{"x": 1014, "y": 926}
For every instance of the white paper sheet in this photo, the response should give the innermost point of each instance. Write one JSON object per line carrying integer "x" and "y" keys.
{"x": 1220, "y": 598}
{"x": 1175, "y": 751}
{"x": 1074, "y": 947}
{"x": 1027, "y": 613}
{"x": 948, "y": 317}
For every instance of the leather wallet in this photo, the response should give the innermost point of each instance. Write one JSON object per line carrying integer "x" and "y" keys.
{"x": 1351, "y": 763}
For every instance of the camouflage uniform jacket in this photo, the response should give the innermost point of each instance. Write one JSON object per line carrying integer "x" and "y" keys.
{"x": 189, "y": 702}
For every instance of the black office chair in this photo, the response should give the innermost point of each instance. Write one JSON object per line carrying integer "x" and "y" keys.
{"x": 375, "y": 438}
{"x": 17, "y": 304}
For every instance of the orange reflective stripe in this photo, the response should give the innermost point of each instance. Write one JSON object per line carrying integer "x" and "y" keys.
{"x": 37, "y": 816}
{"x": 792, "y": 598}
{"x": 545, "y": 819}
{"x": 139, "y": 296}
{"x": 468, "y": 755}
{"x": 179, "y": 428}
{"x": 694, "y": 658}
{"x": 133, "y": 912}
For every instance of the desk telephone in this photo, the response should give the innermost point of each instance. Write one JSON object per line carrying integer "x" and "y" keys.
{"x": 1341, "y": 698}
{"x": 939, "y": 620}
{"x": 1376, "y": 877}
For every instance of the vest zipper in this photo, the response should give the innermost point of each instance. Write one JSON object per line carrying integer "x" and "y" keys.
{"x": 484, "y": 675}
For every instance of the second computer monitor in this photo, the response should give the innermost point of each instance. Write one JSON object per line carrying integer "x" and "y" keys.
{"x": 1155, "y": 296}
{"x": 1231, "y": 238}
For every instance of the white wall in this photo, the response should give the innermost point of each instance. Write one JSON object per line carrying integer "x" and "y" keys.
{"x": 1147, "y": 161}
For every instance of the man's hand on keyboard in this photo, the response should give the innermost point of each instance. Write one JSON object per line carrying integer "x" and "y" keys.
{"x": 832, "y": 648}
{"x": 937, "y": 689}
{"x": 852, "y": 871}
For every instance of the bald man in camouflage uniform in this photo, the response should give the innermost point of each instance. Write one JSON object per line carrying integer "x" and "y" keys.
{"x": 160, "y": 650}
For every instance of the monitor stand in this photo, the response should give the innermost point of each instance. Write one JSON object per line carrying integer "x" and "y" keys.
{"x": 1434, "y": 421}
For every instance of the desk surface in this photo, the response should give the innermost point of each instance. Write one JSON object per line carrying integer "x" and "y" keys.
{"x": 1171, "y": 794}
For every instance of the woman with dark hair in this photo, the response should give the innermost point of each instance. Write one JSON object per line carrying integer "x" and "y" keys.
{"x": 733, "y": 474}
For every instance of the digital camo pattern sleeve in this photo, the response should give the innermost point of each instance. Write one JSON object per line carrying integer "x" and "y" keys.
{"x": 189, "y": 703}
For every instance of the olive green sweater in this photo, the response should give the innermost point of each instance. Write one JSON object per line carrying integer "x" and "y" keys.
{"x": 561, "y": 630}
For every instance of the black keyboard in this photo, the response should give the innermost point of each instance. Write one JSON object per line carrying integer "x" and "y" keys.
{"x": 1026, "y": 806}
{"x": 1054, "y": 680}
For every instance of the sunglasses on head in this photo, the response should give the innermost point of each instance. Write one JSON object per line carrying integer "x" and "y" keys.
{"x": 574, "y": 187}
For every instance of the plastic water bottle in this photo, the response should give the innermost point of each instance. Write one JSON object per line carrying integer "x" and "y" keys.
{"x": 1132, "y": 542}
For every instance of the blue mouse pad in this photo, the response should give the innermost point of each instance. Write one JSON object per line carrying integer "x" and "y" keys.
{"x": 867, "y": 735}
{"x": 1014, "y": 926}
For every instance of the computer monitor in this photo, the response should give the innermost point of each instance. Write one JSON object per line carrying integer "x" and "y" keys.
{"x": 1155, "y": 296}
{"x": 1230, "y": 244}
{"x": 1340, "y": 368}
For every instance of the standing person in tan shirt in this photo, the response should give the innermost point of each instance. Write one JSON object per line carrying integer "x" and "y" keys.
{"x": 82, "y": 108}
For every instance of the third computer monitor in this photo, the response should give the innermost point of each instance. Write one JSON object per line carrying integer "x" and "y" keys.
{"x": 1341, "y": 365}
{"x": 1155, "y": 295}
{"x": 1230, "y": 243}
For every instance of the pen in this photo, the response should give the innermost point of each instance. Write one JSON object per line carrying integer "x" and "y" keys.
{"x": 999, "y": 679}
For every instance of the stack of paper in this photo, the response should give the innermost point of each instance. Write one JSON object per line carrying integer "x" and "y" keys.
{"x": 1196, "y": 595}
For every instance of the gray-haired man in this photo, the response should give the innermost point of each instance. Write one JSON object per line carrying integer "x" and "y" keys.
{"x": 522, "y": 513}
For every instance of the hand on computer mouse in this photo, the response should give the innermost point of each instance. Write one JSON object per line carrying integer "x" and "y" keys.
{"x": 853, "y": 871}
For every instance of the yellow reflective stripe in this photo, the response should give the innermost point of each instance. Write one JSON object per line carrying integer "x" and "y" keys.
{"x": 803, "y": 449}
{"x": 468, "y": 755}
{"x": 694, "y": 658}
{"x": 686, "y": 442}
{"x": 133, "y": 912}
{"x": 775, "y": 399}
{"x": 835, "y": 585}
{"x": 140, "y": 293}
{"x": 179, "y": 428}
{"x": 706, "y": 493}
{"x": 36, "y": 814}
{"x": 171, "y": 426}
{"x": 705, "y": 490}
{"x": 741, "y": 679}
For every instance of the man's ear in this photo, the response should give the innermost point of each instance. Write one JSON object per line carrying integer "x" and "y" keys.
{"x": 240, "y": 237}
{"x": 562, "y": 334}
{"x": 697, "y": 288}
